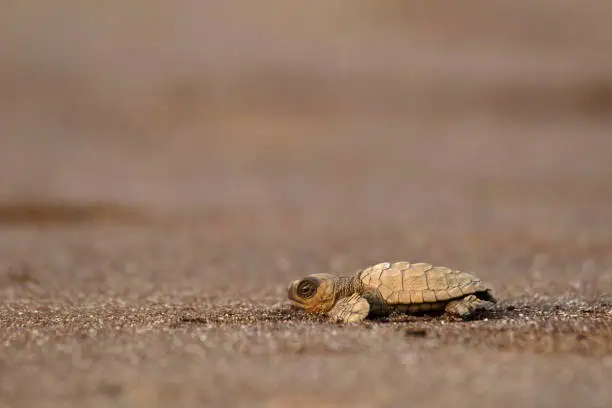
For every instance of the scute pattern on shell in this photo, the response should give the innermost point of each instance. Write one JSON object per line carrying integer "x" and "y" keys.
{"x": 417, "y": 283}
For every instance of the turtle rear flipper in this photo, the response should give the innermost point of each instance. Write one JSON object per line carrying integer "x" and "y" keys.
{"x": 466, "y": 308}
{"x": 352, "y": 309}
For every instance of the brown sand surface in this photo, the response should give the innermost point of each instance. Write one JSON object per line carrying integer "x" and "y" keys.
{"x": 167, "y": 168}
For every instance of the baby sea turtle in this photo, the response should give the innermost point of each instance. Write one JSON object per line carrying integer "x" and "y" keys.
{"x": 414, "y": 288}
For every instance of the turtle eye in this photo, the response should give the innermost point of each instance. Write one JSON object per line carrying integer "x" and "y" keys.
{"x": 307, "y": 288}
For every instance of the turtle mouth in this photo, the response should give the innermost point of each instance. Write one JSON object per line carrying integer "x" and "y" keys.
{"x": 295, "y": 304}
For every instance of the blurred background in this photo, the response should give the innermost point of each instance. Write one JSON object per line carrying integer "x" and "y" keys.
{"x": 167, "y": 167}
{"x": 422, "y": 113}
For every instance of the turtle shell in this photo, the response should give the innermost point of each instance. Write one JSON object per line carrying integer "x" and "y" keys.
{"x": 404, "y": 283}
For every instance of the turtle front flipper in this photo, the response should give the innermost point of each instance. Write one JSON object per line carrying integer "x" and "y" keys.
{"x": 352, "y": 309}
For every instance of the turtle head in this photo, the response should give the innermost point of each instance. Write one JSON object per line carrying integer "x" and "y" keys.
{"x": 314, "y": 293}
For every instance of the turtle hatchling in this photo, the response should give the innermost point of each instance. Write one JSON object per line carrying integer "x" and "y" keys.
{"x": 413, "y": 288}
